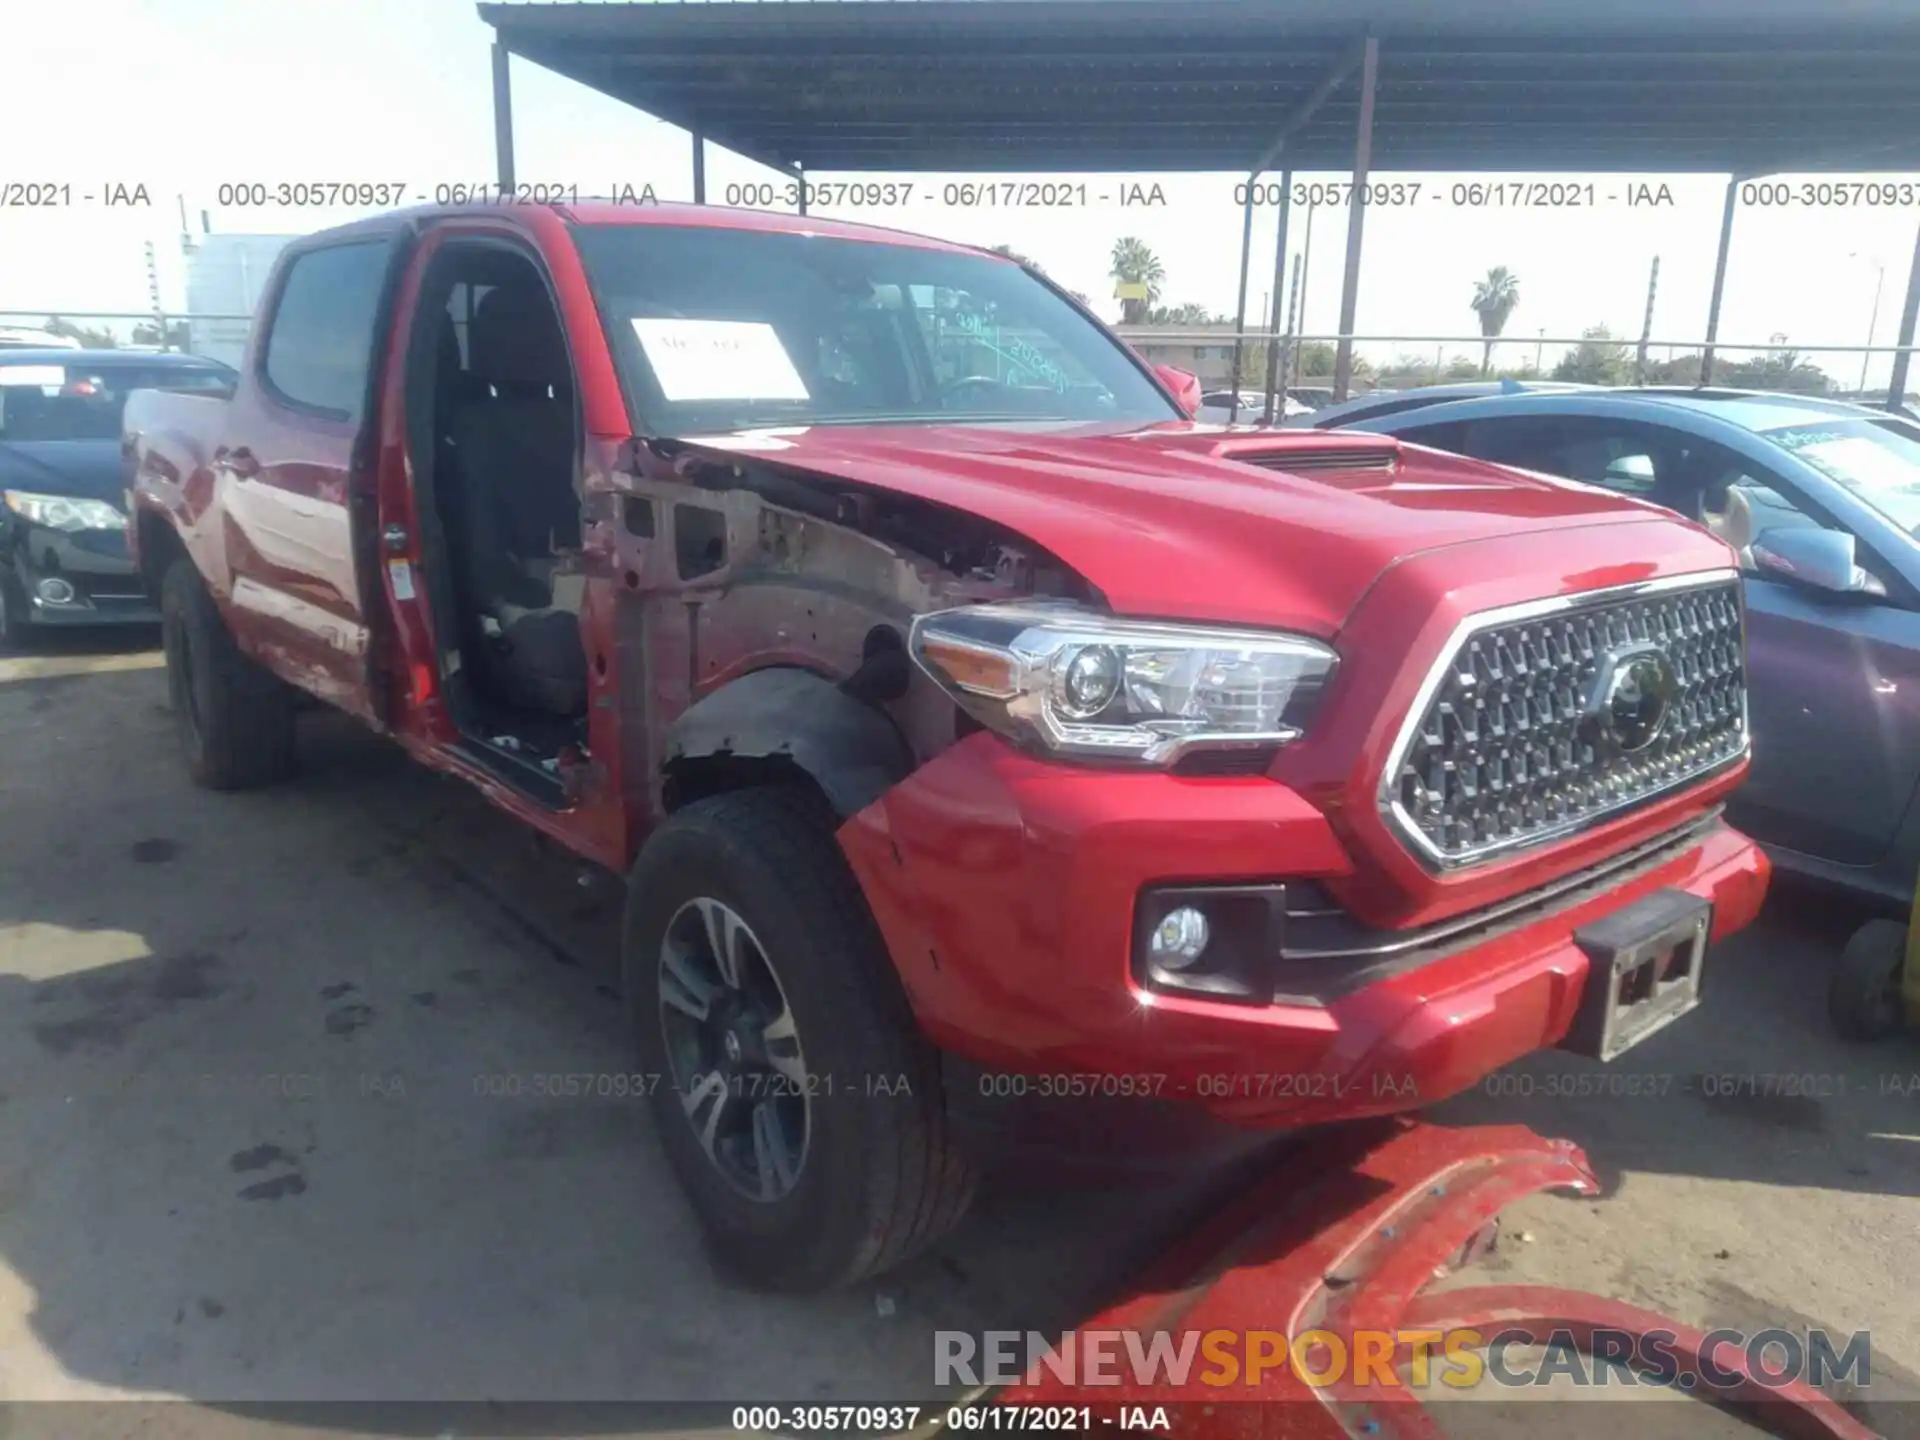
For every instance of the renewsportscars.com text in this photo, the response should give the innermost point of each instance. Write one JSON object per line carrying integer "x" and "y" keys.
{"x": 1459, "y": 1359}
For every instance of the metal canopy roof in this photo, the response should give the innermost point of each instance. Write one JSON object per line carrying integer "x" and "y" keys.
{"x": 1745, "y": 86}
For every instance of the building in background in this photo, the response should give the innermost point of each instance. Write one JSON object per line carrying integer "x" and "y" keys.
{"x": 225, "y": 275}
{"x": 1210, "y": 359}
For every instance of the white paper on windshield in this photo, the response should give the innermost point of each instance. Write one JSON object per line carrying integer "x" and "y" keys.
{"x": 719, "y": 360}
{"x": 1856, "y": 460}
{"x": 744, "y": 440}
{"x": 42, "y": 376}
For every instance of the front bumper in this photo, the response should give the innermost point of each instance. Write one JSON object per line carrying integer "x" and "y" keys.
{"x": 1005, "y": 888}
{"x": 106, "y": 587}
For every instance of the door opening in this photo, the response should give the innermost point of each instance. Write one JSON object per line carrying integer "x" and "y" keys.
{"x": 500, "y": 509}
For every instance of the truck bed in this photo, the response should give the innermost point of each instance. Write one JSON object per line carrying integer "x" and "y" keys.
{"x": 167, "y": 438}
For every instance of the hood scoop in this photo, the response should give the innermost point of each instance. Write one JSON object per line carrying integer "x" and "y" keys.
{"x": 1305, "y": 459}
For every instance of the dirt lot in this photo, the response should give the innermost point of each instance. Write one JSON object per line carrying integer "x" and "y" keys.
{"x": 246, "y": 1152}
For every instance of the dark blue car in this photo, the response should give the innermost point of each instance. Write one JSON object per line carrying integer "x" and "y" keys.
{"x": 1821, "y": 500}
{"x": 63, "y": 541}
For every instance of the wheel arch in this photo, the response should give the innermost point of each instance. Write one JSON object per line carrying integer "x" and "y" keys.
{"x": 785, "y": 725}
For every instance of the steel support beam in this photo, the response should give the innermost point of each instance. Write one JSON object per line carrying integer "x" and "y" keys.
{"x": 502, "y": 119}
{"x": 1279, "y": 278}
{"x": 1356, "y": 219}
{"x": 1646, "y": 328}
{"x": 1719, "y": 279}
{"x": 699, "y": 168}
{"x": 1306, "y": 109}
{"x": 1290, "y": 346}
{"x": 1298, "y": 327}
{"x": 1240, "y": 315}
{"x": 1909, "y": 312}
{"x": 1297, "y": 117}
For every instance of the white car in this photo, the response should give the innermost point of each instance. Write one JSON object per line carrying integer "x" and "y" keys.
{"x": 36, "y": 340}
{"x": 1217, "y": 405}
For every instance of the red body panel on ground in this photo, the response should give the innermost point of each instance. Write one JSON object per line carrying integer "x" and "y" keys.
{"x": 1341, "y": 1265}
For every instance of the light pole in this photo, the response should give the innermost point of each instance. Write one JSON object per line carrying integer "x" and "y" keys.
{"x": 1539, "y": 344}
{"x": 1873, "y": 319}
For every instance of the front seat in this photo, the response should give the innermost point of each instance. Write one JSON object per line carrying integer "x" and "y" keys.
{"x": 520, "y": 512}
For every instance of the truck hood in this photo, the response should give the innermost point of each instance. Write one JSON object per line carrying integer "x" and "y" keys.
{"x": 1181, "y": 521}
{"x": 78, "y": 469}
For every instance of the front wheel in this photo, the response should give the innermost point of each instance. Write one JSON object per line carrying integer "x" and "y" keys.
{"x": 234, "y": 717}
{"x": 16, "y": 626}
{"x": 797, "y": 1101}
{"x": 1864, "y": 998}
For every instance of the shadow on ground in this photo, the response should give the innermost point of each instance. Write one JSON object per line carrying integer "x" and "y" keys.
{"x": 1754, "y": 1086}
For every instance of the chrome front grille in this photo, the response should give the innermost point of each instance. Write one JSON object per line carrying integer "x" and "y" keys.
{"x": 1544, "y": 719}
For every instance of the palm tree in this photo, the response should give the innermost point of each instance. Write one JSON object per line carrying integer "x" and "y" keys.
{"x": 1135, "y": 264}
{"x": 1015, "y": 256}
{"x": 1494, "y": 299}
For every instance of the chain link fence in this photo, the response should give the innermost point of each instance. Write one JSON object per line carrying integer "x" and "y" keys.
{"x": 1385, "y": 362}
{"x": 1405, "y": 362}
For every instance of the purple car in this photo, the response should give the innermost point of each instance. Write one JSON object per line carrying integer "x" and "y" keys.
{"x": 1822, "y": 502}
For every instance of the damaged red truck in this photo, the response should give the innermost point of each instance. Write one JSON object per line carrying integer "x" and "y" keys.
{"x": 970, "y": 724}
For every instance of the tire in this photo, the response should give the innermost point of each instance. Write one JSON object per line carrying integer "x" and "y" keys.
{"x": 1864, "y": 997}
{"x": 877, "y": 1177}
{"x": 16, "y": 626}
{"x": 234, "y": 717}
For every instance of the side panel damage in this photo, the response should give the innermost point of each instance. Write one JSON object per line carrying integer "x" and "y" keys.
{"x": 762, "y": 614}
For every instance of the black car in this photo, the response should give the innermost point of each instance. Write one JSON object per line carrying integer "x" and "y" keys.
{"x": 63, "y": 541}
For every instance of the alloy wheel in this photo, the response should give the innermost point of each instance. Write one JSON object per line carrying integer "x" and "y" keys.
{"x": 733, "y": 1050}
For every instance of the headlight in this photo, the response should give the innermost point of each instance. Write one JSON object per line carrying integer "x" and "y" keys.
{"x": 1074, "y": 682}
{"x": 63, "y": 512}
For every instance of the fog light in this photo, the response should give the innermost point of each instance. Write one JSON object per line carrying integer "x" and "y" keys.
{"x": 55, "y": 591}
{"x": 1179, "y": 940}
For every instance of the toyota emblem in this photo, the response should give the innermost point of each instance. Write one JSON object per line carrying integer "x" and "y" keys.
{"x": 1635, "y": 694}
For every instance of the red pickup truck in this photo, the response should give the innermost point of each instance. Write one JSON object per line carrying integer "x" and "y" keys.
{"x": 971, "y": 724}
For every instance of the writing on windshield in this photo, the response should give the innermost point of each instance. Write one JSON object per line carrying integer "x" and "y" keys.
{"x": 1026, "y": 360}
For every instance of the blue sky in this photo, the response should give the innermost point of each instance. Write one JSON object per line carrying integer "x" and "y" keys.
{"x": 186, "y": 95}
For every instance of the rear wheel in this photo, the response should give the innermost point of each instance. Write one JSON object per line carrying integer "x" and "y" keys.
{"x": 1864, "y": 998}
{"x": 234, "y": 717}
{"x": 798, "y": 1103}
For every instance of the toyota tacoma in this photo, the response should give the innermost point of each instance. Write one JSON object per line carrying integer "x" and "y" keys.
{"x": 969, "y": 722}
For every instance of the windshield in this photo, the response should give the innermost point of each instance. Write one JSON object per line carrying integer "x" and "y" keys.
{"x": 717, "y": 329}
{"x": 82, "y": 401}
{"x": 1878, "y": 460}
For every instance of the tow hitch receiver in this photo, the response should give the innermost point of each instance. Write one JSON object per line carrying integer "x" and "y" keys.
{"x": 1348, "y": 1256}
